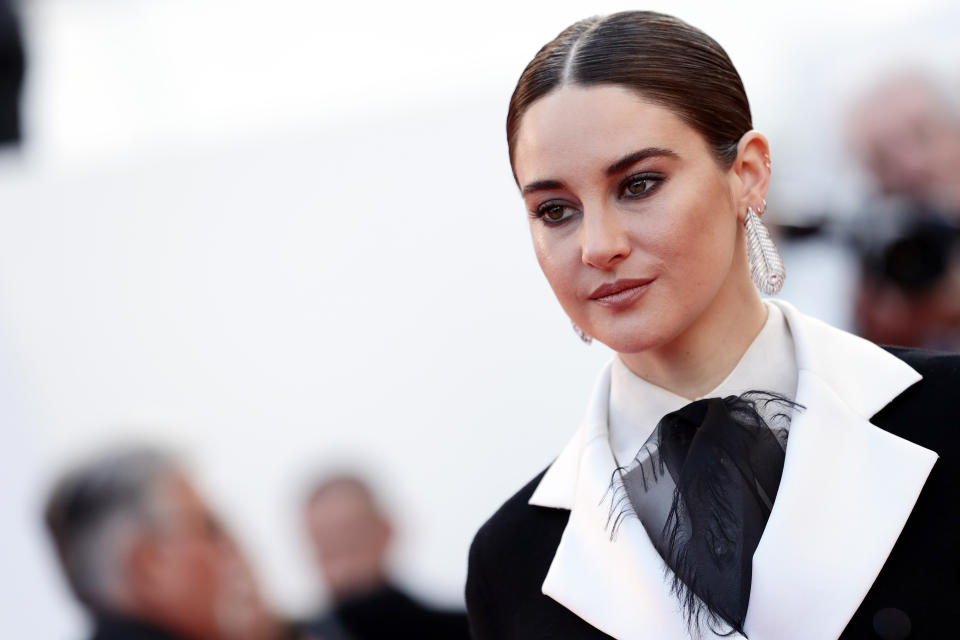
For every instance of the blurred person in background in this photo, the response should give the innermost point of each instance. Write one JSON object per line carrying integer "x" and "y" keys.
{"x": 11, "y": 74}
{"x": 906, "y": 132}
{"x": 351, "y": 538}
{"x": 147, "y": 558}
{"x": 909, "y": 288}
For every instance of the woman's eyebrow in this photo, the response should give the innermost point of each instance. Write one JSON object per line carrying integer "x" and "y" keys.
{"x": 637, "y": 156}
{"x": 615, "y": 168}
{"x": 542, "y": 185}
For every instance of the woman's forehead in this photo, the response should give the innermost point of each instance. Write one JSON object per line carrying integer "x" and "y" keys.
{"x": 582, "y": 128}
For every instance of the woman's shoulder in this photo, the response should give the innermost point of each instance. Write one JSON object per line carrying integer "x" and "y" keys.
{"x": 509, "y": 560}
{"x": 516, "y": 516}
{"x": 941, "y": 365}
{"x": 941, "y": 376}
{"x": 503, "y": 572}
{"x": 928, "y": 413}
{"x": 519, "y": 539}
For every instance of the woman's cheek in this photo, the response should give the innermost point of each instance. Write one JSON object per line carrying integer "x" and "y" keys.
{"x": 541, "y": 243}
{"x": 560, "y": 267}
{"x": 556, "y": 275}
{"x": 550, "y": 254}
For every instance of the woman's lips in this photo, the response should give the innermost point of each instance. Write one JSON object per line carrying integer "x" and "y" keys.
{"x": 620, "y": 294}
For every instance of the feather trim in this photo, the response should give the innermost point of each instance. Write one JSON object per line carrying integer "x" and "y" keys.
{"x": 735, "y": 448}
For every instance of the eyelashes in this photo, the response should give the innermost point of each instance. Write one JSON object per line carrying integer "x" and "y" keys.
{"x": 634, "y": 187}
{"x": 640, "y": 184}
{"x": 553, "y": 213}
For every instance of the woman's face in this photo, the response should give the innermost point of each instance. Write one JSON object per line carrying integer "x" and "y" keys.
{"x": 634, "y": 223}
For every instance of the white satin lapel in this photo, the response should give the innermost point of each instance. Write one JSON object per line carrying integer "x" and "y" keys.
{"x": 846, "y": 492}
{"x": 847, "y": 489}
{"x": 617, "y": 584}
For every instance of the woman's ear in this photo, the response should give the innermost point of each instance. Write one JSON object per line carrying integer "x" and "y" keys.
{"x": 752, "y": 167}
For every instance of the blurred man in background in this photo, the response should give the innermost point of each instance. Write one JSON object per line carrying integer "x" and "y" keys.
{"x": 146, "y": 557}
{"x": 907, "y": 134}
{"x": 906, "y": 131}
{"x": 351, "y": 539}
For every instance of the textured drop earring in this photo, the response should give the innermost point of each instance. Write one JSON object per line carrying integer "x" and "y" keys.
{"x": 583, "y": 335}
{"x": 766, "y": 265}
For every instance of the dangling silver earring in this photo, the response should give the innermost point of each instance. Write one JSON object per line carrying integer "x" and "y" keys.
{"x": 766, "y": 265}
{"x": 583, "y": 335}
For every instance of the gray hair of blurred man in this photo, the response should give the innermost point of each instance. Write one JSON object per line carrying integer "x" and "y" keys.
{"x": 95, "y": 514}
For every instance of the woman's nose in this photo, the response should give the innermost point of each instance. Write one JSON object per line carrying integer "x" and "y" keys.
{"x": 604, "y": 241}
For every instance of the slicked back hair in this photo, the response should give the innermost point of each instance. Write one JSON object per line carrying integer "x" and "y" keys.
{"x": 662, "y": 58}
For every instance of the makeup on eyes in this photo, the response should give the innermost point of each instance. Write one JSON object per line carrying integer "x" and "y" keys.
{"x": 543, "y": 211}
{"x": 653, "y": 178}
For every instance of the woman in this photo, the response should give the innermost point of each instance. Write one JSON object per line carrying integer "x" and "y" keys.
{"x": 800, "y": 495}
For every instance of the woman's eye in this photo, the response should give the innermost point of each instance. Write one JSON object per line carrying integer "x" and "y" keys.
{"x": 554, "y": 213}
{"x": 640, "y": 185}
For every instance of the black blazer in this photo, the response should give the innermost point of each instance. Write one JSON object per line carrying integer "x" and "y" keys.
{"x": 388, "y": 613}
{"x": 913, "y": 597}
{"x": 123, "y": 628}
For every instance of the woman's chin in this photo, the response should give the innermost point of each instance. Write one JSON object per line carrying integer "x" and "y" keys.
{"x": 640, "y": 329}
{"x": 635, "y": 341}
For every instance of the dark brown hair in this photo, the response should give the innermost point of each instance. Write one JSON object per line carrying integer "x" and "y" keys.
{"x": 661, "y": 57}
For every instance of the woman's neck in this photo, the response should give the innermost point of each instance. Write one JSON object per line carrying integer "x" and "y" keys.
{"x": 698, "y": 360}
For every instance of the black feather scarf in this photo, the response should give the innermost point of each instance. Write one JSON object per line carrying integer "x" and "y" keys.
{"x": 723, "y": 461}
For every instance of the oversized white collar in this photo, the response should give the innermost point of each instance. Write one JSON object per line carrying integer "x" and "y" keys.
{"x": 636, "y": 406}
{"x": 846, "y": 492}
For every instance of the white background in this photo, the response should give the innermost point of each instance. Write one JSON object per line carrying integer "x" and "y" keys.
{"x": 279, "y": 235}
